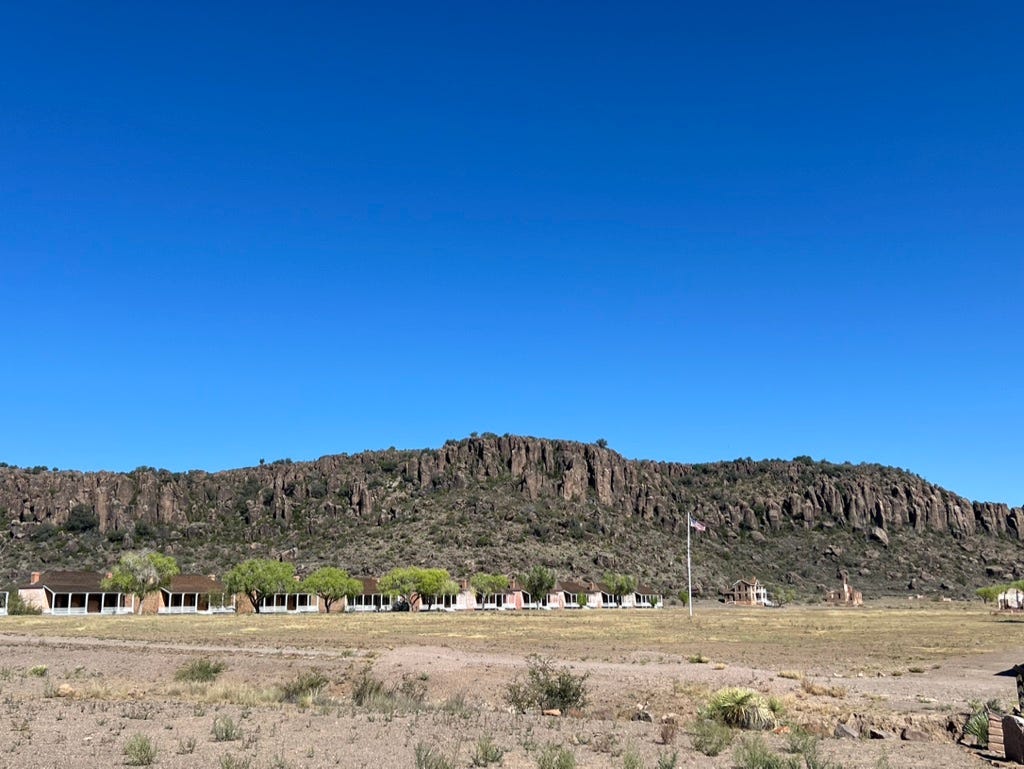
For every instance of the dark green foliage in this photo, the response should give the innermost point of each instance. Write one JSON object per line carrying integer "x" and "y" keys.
{"x": 17, "y": 606}
{"x": 81, "y": 519}
{"x": 538, "y": 582}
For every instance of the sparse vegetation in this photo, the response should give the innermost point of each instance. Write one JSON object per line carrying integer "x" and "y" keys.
{"x": 200, "y": 670}
{"x": 225, "y": 729}
{"x": 431, "y": 757}
{"x": 139, "y": 751}
{"x": 752, "y": 752}
{"x": 556, "y": 757}
{"x": 710, "y": 737}
{"x": 372, "y": 693}
{"x": 305, "y": 686}
{"x": 547, "y": 687}
{"x": 486, "y": 752}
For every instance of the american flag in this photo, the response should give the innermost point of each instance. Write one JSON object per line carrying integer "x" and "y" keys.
{"x": 697, "y": 524}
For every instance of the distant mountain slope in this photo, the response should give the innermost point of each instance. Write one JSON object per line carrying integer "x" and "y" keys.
{"x": 504, "y": 503}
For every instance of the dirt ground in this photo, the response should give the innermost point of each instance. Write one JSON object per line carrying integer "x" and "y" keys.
{"x": 74, "y": 691}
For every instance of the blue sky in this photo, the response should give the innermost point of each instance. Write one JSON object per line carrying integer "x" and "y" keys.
{"x": 246, "y": 231}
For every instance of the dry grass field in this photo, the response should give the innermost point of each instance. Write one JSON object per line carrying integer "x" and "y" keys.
{"x": 76, "y": 691}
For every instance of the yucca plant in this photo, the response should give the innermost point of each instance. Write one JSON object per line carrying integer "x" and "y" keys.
{"x": 742, "y": 708}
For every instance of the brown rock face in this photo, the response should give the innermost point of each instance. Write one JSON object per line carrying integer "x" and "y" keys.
{"x": 502, "y": 501}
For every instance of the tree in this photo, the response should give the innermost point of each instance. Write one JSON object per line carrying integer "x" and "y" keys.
{"x": 601, "y": 443}
{"x": 619, "y": 584}
{"x": 331, "y": 585}
{"x": 783, "y": 595}
{"x": 260, "y": 577}
{"x": 538, "y": 582}
{"x": 413, "y": 582}
{"x": 990, "y": 593}
{"x": 488, "y": 584}
{"x": 141, "y": 573}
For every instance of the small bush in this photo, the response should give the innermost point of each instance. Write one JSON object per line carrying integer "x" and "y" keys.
{"x": 556, "y": 757}
{"x": 977, "y": 722}
{"x": 819, "y": 690}
{"x": 38, "y": 670}
{"x": 201, "y": 670}
{"x": 429, "y": 757}
{"x": 668, "y": 760}
{"x": 753, "y": 753}
{"x": 742, "y": 708}
{"x": 225, "y": 729}
{"x": 304, "y": 686}
{"x": 711, "y": 737}
{"x": 631, "y": 759}
{"x": 372, "y": 693}
{"x": 139, "y": 751}
{"x": 16, "y": 606}
{"x": 800, "y": 742}
{"x": 228, "y": 761}
{"x": 697, "y": 659}
{"x": 187, "y": 746}
{"x": 547, "y": 688}
{"x": 486, "y": 752}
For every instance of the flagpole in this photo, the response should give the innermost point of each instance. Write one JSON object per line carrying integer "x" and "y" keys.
{"x": 689, "y": 574}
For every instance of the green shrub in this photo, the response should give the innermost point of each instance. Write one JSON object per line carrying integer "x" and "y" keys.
{"x": 742, "y": 708}
{"x": 201, "y": 670}
{"x": 304, "y": 686}
{"x": 139, "y": 751}
{"x": 801, "y": 743}
{"x": 225, "y": 729}
{"x": 372, "y": 693}
{"x": 710, "y": 737}
{"x": 228, "y": 761}
{"x": 631, "y": 759}
{"x": 486, "y": 752}
{"x": 753, "y": 753}
{"x": 38, "y": 670}
{"x": 547, "y": 688}
{"x": 16, "y": 605}
{"x": 977, "y": 723}
{"x": 556, "y": 757}
{"x": 429, "y": 757}
{"x": 668, "y": 760}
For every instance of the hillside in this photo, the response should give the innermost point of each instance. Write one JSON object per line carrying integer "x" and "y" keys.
{"x": 505, "y": 503}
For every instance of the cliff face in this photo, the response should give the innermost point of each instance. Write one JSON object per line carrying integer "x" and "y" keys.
{"x": 502, "y": 491}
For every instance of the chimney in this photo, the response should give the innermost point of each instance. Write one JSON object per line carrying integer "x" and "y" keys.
{"x": 36, "y": 576}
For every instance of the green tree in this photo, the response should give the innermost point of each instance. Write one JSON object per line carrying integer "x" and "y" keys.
{"x": 141, "y": 573}
{"x": 538, "y": 582}
{"x": 331, "y": 584}
{"x": 783, "y": 595}
{"x": 413, "y": 582}
{"x": 619, "y": 584}
{"x": 489, "y": 584}
{"x": 259, "y": 577}
{"x": 987, "y": 594}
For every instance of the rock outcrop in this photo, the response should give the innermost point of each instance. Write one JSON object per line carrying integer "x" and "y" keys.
{"x": 540, "y": 489}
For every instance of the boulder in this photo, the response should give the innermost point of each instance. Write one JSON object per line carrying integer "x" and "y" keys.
{"x": 910, "y": 734}
{"x": 846, "y": 732}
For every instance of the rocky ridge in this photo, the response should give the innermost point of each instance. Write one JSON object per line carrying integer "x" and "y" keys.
{"x": 503, "y": 502}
